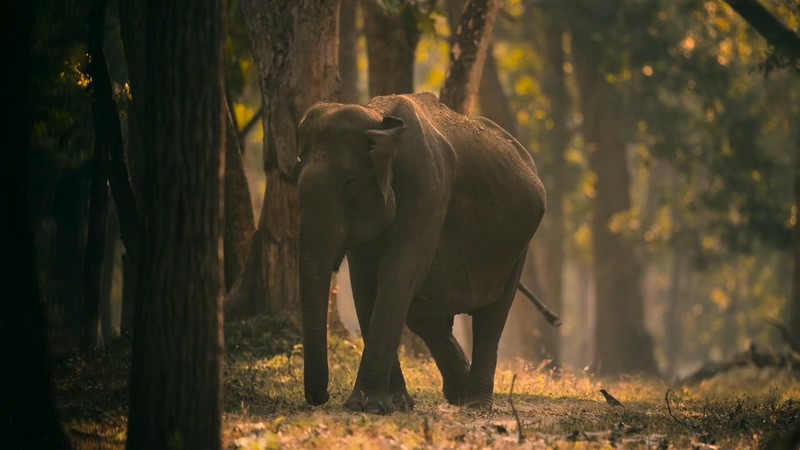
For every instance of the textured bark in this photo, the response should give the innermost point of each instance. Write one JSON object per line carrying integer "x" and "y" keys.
{"x": 110, "y": 258}
{"x": 550, "y": 244}
{"x": 468, "y": 54}
{"x": 348, "y": 51}
{"x": 391, "y": 48}
{"x": 126, "y": 171}
{"x": 176, "y": 375}
{"x": 103, "y": 111}
{"x": 794, "y": 301}
{"x": 782, "y": 38}
{"x": 239, "y": 222}
{"x": 623, "y": 345}
{"x": 28, "y": 418}
{"x": 295, "y": 46}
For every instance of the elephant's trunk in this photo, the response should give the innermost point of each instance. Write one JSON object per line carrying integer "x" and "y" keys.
{"x": 320, "y": 243}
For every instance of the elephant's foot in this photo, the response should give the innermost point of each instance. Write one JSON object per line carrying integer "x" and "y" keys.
{"x": 372, "y": 403}
{"x": 402, "y": 401}
{"x": 454, "y": 394}
{"x": 480, "y": 404}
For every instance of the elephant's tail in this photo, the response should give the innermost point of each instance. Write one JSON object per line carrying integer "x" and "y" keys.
{"x": 551, "y": 317}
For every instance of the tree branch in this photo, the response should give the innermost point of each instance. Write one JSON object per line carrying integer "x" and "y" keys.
{"x": 785, "y": 41}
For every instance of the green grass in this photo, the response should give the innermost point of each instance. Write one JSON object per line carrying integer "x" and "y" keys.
{"x": 264, "y": 406}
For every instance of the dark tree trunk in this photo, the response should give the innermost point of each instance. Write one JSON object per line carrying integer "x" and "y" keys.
{"x": 623, "y": 343}
{"x": 103, "y": 111}
{"x": 468, "y": 54}
{"x": 107, "y": 328}
{"x": 295, "y": 46}
{"x": 550, "y": 241}
{"x": 348, "y": 51}
{"x": 128, "y": 172}
{"x": 176, "y": 374}
{"x": 28, "y": 418}
{"x": 794, "y": 301}
{"x": 391, "y": 48}
{"x": 239, "y": 222}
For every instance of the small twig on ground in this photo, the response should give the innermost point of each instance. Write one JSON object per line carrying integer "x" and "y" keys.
{"x": 521, "y": 438}
{"x": 669, "y": 409}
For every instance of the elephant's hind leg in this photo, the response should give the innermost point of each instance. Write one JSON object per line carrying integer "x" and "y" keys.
{"x": 437, "y": 332}
{"x": 487, "y": 326}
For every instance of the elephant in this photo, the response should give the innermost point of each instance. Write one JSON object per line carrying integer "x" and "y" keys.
{"x": 434, "y": 211}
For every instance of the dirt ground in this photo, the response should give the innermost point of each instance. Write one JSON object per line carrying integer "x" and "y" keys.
{"x": 264, "y": 406}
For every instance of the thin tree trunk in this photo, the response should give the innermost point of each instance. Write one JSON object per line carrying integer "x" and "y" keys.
{"x": 391, "y": 48}
{"x": 348, "y": 50}
{"x": 29, "y": 418}
{"x": 239, "y": 222}
{"x": 102, "y": 107}
{"x": 623, "y": 343}
{"x": 794, "y": 301}
{"x": 295, "y": 46}
{"x": 176, "y": 369}
{"x": 110, "y": 258}
{"x": 468, "y": 54}
{"x": 550, "y": 240}
{"x": 128, "y": 172}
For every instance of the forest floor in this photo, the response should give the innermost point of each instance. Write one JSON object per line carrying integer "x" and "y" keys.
{"x": 264, "y": 406}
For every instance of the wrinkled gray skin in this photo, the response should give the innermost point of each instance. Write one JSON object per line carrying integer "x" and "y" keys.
{"x": 434, "y": 211}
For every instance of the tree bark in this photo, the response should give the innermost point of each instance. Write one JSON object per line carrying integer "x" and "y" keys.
{"x": 623, "y": 345}
{"x": 126, "y": 172}
{"x": 348, "y": 50}
{"x": 239, "y": 222}
{"x": 107, "y": 328}
{"x": 295, "y": 46}
{"x": 103, "y": 111}
{"x": 29, "y": 418}
{"x": 176, "y": 369}
{"x": 794, "y": 301}
{"x": 468, "y": 54}
{"x": 784, "y": 40}
{"x": 391, "y": 48}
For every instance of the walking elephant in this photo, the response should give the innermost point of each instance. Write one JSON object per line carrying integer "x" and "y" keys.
{"x": 434, "y": 211}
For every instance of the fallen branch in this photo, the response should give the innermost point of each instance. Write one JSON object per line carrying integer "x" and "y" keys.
{"x": 752, "y": 357}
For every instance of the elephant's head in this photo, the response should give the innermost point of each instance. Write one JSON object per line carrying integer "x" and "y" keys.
{"x": 344, "y": 177}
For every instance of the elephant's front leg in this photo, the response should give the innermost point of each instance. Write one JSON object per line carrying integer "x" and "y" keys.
{"x": 363, "y": 274}
{"x": 380, "y": 385}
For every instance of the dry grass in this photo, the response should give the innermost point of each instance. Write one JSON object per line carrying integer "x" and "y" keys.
{"x": 264, "y": 406}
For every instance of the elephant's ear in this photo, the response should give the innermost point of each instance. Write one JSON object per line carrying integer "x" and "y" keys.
{"x": 383, "y": 150}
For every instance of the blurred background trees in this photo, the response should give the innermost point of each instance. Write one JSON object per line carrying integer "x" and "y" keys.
{"x": 667, "y": 134}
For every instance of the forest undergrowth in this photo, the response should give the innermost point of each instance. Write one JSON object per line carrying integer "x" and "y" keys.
{"x": 547, "y": 408}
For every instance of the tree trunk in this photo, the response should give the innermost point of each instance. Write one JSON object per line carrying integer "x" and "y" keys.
{"x": 107, "y": 328}
{"x": 239, "y": 222}
{"x": 29, "y": 418}
{"x": 391, "y": 48}
{"x": 348, "y": 50}
{"x": 176, "y": 369}
{"x": 623, "y": 343}
{"x": 549, "y": 243}
{"x": 103, "y": 110}
{"x": 128, "y": 175}
{"x": 295, "y": 46}
{"x": 468, "y": 54}
{"x": 794, "y": 301}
